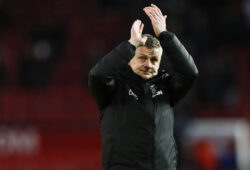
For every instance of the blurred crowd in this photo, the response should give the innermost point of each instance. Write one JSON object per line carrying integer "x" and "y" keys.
{"x": 37, "y": 37}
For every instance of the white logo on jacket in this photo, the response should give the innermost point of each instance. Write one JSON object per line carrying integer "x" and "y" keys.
{"x": 131, "y": 93}
{"x": 155, "y": 92}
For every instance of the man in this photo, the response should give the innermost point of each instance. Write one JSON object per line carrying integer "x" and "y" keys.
{"x": 136, "y": 102}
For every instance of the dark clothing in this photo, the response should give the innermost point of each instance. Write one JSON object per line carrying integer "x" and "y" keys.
{"x": 137, "y": 116}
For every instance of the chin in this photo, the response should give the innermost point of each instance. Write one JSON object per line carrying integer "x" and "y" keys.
{"x": 146, "y": 77}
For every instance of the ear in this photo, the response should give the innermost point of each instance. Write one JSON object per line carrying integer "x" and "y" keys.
{"x": 131, "y": 62}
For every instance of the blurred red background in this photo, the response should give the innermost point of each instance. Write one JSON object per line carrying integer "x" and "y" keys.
{"x": 48, "y": 119}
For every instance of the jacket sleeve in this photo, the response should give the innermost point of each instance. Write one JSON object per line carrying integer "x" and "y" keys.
{"x": 101, "y": 76}
{"x": 184, "y": 71}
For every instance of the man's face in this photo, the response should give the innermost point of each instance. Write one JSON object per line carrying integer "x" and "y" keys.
{"x": 146, "y": 62}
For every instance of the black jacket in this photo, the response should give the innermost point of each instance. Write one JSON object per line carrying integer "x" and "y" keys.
{"x": 137, "y": 116}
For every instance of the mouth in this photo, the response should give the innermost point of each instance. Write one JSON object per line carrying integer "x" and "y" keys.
{"x": 146, "y": 72}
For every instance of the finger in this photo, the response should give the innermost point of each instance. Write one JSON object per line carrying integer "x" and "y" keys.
{"x": 156, "y": 8}
{"x": 136, "y": 25}
{"x": 157, "y": 12}
{"x": 141, "y": 28}
{"x": 133, "y": 25}
{"x": 154, "y": 12}
{"x": 138, "y": 22}
{"x": 154, "y": 15}
{"x": 149, "y": 14}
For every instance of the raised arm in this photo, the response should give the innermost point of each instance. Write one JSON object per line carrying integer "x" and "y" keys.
{"x": 101, "y": 76}
{"x": 184, "y": 69}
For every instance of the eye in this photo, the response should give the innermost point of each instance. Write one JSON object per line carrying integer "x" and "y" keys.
{"x": 142, "y": 58}
{"x": 154, "y": 60}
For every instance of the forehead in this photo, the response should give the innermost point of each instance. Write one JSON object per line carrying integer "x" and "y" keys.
{"x": 153, "y": 52}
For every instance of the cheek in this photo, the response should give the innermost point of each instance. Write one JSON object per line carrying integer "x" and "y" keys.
{"x": 134, "y": 65}
{"x": 156, "y": 67}
{"x": 137, "y": 64}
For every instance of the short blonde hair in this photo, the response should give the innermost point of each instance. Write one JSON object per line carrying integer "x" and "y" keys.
{"x": 151, "y": 42}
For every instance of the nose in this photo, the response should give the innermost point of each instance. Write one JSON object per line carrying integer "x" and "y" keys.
{"x": 148, "y": 64}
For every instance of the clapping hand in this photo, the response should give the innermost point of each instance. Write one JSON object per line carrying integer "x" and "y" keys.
{"x": 157, "y": 18}
{"x": 136, "y": 37}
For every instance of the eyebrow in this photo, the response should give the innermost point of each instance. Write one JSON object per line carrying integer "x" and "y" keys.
{"x": 142, "y": 55}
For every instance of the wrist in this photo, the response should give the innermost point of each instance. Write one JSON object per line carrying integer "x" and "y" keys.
{"x": 133, "y": 43}
{"x": 158, "y": 34}
{"x": 166, "y": 36}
